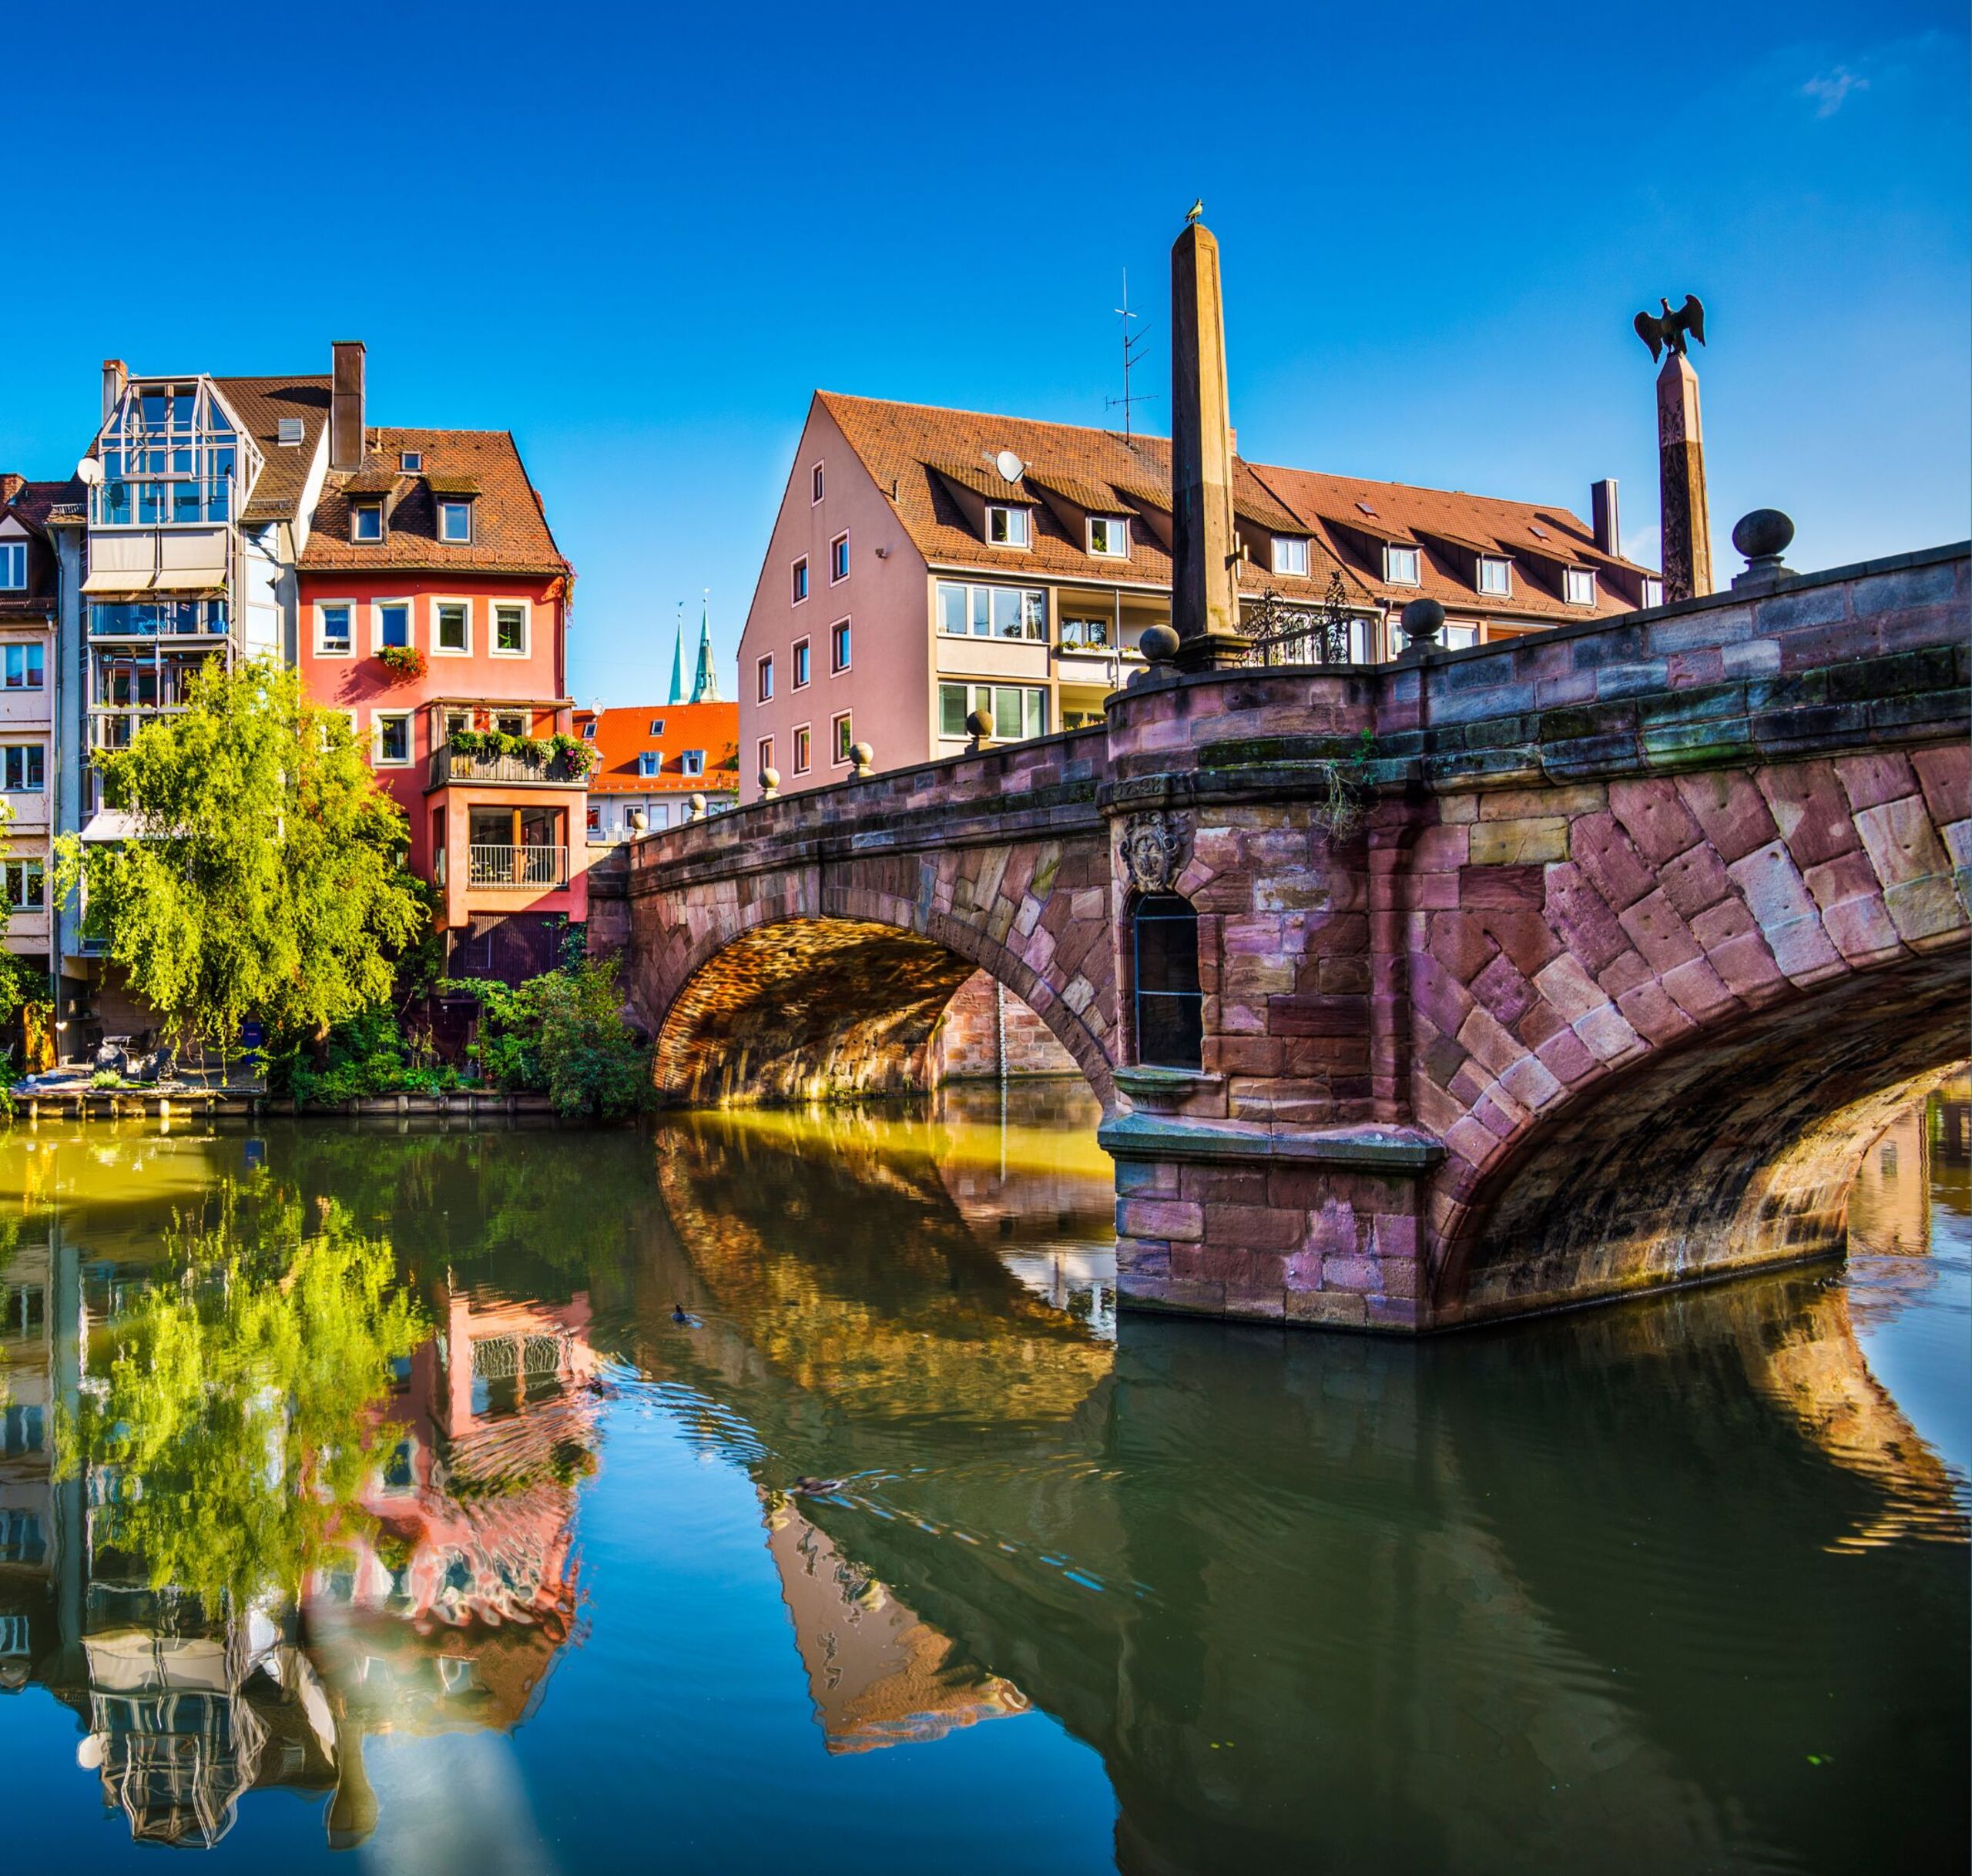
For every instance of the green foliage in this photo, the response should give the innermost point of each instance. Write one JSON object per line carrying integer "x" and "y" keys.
{"x": 235, "y": 1431}
{"x": 105, "y": 1078}
{"x": 267, "y": 877}
{"x": 578, "y": 757}
{"x": 367, "y": 1054}
{"x": 402, "y": 661}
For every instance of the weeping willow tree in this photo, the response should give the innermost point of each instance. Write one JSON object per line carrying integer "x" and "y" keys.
{"x": 237, "y": 1428}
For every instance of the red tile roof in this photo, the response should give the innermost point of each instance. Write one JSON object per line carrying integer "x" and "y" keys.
{"x": 37, "y": 500}
{"x": 623, "y": 734}
{"x": 910, "y": 449}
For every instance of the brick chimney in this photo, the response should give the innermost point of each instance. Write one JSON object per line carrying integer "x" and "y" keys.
{"x": 11, "y": 485}
{"x": 115, "y": 375}
{"x": 346, "y": 406}
{"x": 1602, "y": 508}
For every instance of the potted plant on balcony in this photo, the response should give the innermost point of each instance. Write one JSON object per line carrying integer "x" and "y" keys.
{"x": 405, "y": 662}
{"x": 576, "y": 757}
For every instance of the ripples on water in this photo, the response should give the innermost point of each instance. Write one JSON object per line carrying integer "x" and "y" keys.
{"x": 359, "y": 1490}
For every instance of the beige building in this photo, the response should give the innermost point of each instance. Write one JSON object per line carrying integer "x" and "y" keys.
{"x": 926, "y": 563}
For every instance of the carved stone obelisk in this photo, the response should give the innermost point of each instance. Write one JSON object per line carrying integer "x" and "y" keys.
{"x": 1687, "y": 548}
{"x": 1205, "y": 594}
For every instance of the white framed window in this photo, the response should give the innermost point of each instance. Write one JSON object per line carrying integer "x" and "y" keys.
{"x": 1653, "y": 595}
{"x": 451, "y": 627}
{"x": 1581, "y": 586}
{"x": 765, "y": 751}
{"x": 1400, "y": 566}
{"x": 391, "y": 732}
{"x": 691, "y": 762}
{"x": 763, "y": 675}
{"x": 657, "y": 726}
{"x": 21, "y": 768}
{"x": 798, "y": 580}
{"x": 1495, "y": 576}
{"x": 335, "y": 628}
{"x": 839, "y": 559}
{"x": 514, "y": 723}
{"x": 804, "y": 749}
{"x": 595, "y": 818}
{"x": 1019, "y": 710}
{"x": 815, "y": 484}
{"x": 991, "y": 611}
{"x": 1290, "y": 554}
{"x": 588, "y": 730}
{"x": 26, "y": 667}
{"x": 13, "y": 566}
{"x": 1007, "y": 527}
{"x": 649, "y": 762}
{"x": 841, "y": 735}
{"x": 455, "y": 522}
{"x": 1109, "y": 536}
{"x": 839, "y": 647}
{"x": 1456, "y": 638}
{"x": 410, "y": 461}
{"x": 366, "y": 520}
{"x": 389, "y": 624}
{"x": 26, "y": 886}
{"x": 512, "y": 619}
{"x": 800, "y": 664}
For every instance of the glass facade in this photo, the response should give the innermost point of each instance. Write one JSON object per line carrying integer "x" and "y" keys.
{"x": 154, "y": 619}
{"x": 170, "y": 456}
{"x": 1019, "y": 710}
{"x": 991, "y": 611}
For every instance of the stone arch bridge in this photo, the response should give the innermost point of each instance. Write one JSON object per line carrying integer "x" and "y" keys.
{"x": 1530, "y": 975}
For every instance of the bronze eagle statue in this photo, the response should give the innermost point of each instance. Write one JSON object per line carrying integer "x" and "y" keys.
{"x": 1667, "y": 331}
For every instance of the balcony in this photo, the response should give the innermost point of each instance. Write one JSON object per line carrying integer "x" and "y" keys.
{"x": 449, "y": 765}
{"x": 523, "y": 869}
{"x": 168, "y": 502}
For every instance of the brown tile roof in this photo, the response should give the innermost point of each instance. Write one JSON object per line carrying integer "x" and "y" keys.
{"x": 37, "y": 500}
{"x": 902, "y": 445}
{"x": 510, "y": 531}
{"x": 260, "y": 403}
{"x": 623, "y": 734}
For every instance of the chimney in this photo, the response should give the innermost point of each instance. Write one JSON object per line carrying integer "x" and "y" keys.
{"x": 115, "y": 375}
{"x": 1602, "y": 507}
{"x": 11, "y": 485}
{"x": 346, "y": 406}
{"x": 1205, "y": 601}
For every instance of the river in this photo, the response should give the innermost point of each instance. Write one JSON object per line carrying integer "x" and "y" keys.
{"x": 766, "y": 1490}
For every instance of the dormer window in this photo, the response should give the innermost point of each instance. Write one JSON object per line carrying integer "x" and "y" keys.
{"x": 1290, "y": 554}
{"x": 1653, "y": 592}
{"x": 1495, "y": 576}
{"x": 648, "y": 762}
{"x": 1006, "y": 526}
{"x": 1399, "y": 566}
{"x": 1581, "y": 586}
{"x": 1109, "y": 536}
{"x": 411, "y": 461}
{"x": 13, "y": 566}
{"x": 287, "y": 432}
{"x": 455, "y": 521}
{"x": 366, "y": 520}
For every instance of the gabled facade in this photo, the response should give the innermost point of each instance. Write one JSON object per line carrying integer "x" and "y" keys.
{"x": 652, "y": 761}
{"x": 928, "y": 563}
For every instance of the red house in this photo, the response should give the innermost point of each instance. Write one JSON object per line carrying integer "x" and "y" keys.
{"x": 434, "y": 609}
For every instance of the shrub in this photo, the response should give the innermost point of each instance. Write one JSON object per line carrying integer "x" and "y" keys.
{"x": 368, "y": 1055}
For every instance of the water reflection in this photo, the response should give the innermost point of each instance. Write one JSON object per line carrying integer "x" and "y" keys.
{"x": 304, "y": 1435}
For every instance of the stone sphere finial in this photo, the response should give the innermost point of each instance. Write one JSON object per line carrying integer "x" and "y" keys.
{"x": 1762, "y": 537}
{"x": 1422, "y": 620}
{"x": 979, "y": 727}
{"x": 1158, "y": 644}
{"x": 769, "y": 782}
{"x": 697, "y": 805}
{"x": 861, "y": 757}
{"x": 639, "y": 819}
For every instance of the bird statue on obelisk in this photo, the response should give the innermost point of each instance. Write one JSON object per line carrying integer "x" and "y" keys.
{"x": 1687, "y": 527}
{"x": 1204, "y": 577}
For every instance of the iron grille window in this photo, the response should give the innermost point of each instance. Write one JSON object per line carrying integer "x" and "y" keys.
{"x": 1164, "y": 939}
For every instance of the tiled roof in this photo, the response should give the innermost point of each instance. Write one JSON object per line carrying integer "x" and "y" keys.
{"x": 260, "y": 403}
{"x": 623, "y": 734}
{"x": 37, "y": 500}
{"x": 902, "y": 445}
{"x": 509, "y": 532}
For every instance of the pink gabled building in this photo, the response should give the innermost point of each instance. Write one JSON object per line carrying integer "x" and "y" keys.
{"x": 928, "y": 563}
{"x": 434, "y": 609}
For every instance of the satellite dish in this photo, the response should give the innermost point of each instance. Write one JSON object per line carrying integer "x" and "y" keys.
{"x": 1010, "y": 465}
{"x": 89, "y": 472}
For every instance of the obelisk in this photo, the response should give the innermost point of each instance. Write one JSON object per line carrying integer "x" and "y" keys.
{"x": 1687, "y": 527}
{"x": 1204, "y": 592}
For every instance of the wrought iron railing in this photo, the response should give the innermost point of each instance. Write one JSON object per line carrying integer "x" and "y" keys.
{"x": 535, "y": 867}
{"x": 1278, "y": 631}
{"x": 450, "y": 764}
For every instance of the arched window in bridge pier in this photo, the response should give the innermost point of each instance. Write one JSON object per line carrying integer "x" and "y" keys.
{"x": 1164, "y": 960}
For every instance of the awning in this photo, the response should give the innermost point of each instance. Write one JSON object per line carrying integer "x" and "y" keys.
{"x": 191, "y": 580}
{"x": 120, "y": 580}
{"x": 110, "y": 824}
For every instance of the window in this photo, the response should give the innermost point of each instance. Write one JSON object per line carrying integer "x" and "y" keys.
{"x": 1290, "y": 554}
{"x": 804, "y": 750}
{"x": 157, "y": 618}
{"x": 765, "y": 753}
{"x": 510, "y": 631}
{"x": 410, "y": 461}
{"x": 1653, "y": 595}
{"x": 595, "y": 820}
{"x": 1084, "y": 635}
{"x": 1108, "y": 536}
{"x": 1578, "y": 583}
{"x": 13, "y": 566}
{"x": 394, "y": 622}
{"x": 1164, "y": 948}
{"x": 801, "y": 580}
{"x": 838, "y": 559}
{"x": 456, "y": 720}
{"x": 1006, "y": 526}
{"x": 800, "y": 664}
{"x": 839, "y": 645}
{"x": 332, "y": 630}
{"x": 588, "y": 730}
{"x": 24, "y": 885}
{"x": 21, "y": 767}
{"x": 649, "y": 762}
{"x": 455, "y": 521}
{"x": 366, "y": 520}
{"x": 1400, "y": 566}
{"x": 815, "y": 484}
{"x": 692, "y": 762}
{"x": 1019, "y": 710}
{"x": 393, "y": 729}
{"x": 844, "y": 737}
{"x": 992, "y": 612}
{"x": 764, "y": 671}
{"x": 1458, "y": 638}
{"x": 26, "y": 667}
{"x": 287, "y": 432}
{"x": 453, "y": 631}
{"x": 513, "y": 725}
{"x": 1495, "y": 576}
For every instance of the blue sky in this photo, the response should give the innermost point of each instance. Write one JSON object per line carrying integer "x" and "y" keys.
{"x": 640, "y": 238}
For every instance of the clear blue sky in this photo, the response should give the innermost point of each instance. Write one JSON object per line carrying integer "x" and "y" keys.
{"x": 640, "y": 238}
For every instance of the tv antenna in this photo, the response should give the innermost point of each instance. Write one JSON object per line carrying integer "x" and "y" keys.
{"x": 1132, "y": 345}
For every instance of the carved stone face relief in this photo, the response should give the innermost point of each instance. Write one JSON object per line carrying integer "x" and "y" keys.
{"x": 1153, "y": 851}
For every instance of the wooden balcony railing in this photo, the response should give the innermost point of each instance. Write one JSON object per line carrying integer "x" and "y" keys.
{"x": 450, "y": 765}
